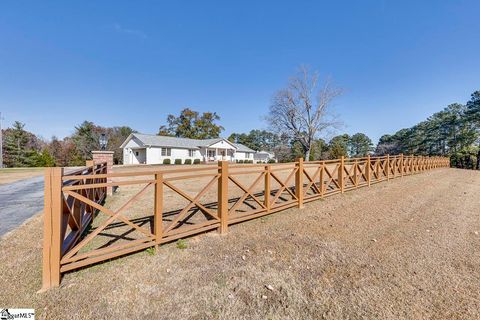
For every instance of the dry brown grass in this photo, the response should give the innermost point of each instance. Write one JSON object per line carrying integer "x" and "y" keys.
{"x": 406, "y": 249}
{"x": 8, "y": 175}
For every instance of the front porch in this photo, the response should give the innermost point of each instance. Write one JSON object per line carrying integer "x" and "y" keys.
{"x": 219, "y": 154}
{"x": 136, "y": 156}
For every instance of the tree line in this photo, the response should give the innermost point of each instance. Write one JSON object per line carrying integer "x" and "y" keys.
{"x": 286, "y": 149}
{"x": 453, "y": 132}
{"x": 22, "y": 148}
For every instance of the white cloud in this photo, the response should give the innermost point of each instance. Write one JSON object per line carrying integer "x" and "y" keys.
{"x": 133, "y": 32}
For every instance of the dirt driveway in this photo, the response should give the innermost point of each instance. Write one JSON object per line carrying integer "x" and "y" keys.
{"x": 404, "y": 249}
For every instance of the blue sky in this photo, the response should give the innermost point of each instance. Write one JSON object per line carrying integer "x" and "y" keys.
{"x": 133, "y": 62}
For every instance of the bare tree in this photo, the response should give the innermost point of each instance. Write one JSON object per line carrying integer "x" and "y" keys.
{"x": 301, "y": 110}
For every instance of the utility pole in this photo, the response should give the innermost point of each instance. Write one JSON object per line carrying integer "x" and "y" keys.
{"x": 1, "y": 142}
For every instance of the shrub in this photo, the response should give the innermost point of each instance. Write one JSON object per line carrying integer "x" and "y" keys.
{"x": 182, "y": 244}
{"x": 166, "y": 161}
{"x": 240, "y": 161}
{"x": 178, "y": 161}
{"x": 150, "y": 251}
{"x": 188, "y": 161}
{"x": 196, "y": 161}
{"x": 271, "y": 161}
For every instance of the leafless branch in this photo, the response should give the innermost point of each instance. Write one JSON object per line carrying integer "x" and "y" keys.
{"x": 301, "y": 110}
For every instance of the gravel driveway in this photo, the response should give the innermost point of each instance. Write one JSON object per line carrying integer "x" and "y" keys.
{"x": 19, "y": 201}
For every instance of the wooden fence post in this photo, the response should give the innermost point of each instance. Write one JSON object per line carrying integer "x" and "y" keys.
{"x": 158, "y": 207}
{"x": 267, "y": 188}
{"x": 340, "y": 174}
{"x": 322, "y": 183}
{"x": 368, "y": 174}
{"x": 388, "y": 167}
{"x": 394, "y": 166}
{"x": 223, "y": 196}
{"x": 299, "y": 183}
{"x": 402, "y": 165}
{"x": 355, "y": 172}
{"x": 52, "y": 242}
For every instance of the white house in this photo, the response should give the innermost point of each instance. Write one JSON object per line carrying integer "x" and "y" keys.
{"x": 264, "y": 157}
{"x": 152, "y": 149}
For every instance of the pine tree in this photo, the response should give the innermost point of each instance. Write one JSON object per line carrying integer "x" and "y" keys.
{"x": 20, "y": 146}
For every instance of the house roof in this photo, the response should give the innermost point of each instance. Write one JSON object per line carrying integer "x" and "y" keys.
{"x": 185, "y": 143}
{"x": 263, "y": 154}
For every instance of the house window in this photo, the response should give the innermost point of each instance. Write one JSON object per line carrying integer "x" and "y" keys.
{"x": 191, "y": 153}
{"x": 166, "y": 152}
{"x": 211, "y": 153}
{"x": 247, "y": 154}
{"x": 136, "y": 153}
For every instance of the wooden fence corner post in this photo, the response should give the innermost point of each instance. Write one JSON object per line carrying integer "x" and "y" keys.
{"x": 266, "y": 200}
{"x": 299, "y": 183}
{"x": 223, "y": 196}
{"x": 158, "y": 207}
{"x": 52, "y": 224}
{"x": 341, "y": 169}
{"x": 368, "y": 168}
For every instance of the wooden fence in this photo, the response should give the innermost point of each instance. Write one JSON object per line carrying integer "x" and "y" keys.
{"x": 76, "y": 201}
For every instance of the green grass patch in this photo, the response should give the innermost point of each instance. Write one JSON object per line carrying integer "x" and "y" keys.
{"x": 182, "y": 244}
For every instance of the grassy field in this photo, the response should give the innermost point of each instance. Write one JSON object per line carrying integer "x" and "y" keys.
{"x": 8, "y": 175}
{"x": 404, "y": 249}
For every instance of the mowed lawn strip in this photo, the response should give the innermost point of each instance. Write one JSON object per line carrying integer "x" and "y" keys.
{"x": 403, "y": 249}
{"x": 8, "y": 175}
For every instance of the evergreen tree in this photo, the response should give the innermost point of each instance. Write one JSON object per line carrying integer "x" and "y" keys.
{"x": 338, "y": 146}
{"x": 454, "y": 132}
{"x": 20, "y": 146}
{"x": 359, "y": 145}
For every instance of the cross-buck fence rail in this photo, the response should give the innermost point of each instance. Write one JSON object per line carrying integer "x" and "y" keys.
{"x": 78, "y": 215}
